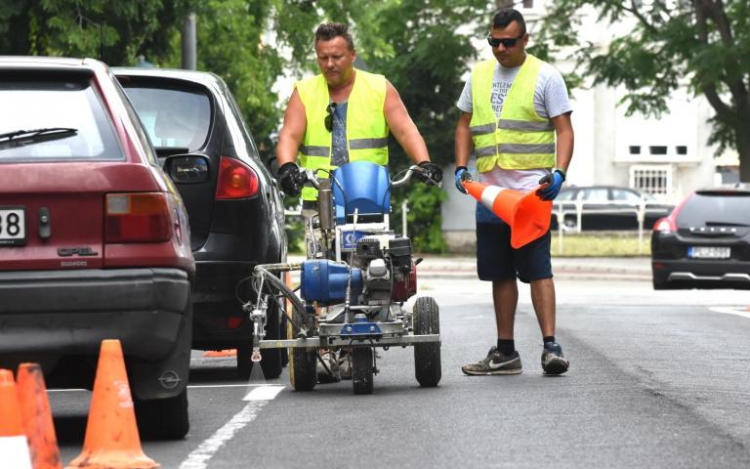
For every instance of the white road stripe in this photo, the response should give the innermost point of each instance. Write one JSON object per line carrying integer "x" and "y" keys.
{"x": 265, "y": 393}
{"x": 198, "y": 459}
{"x": 245, "y": 385}
{"x": 742, "y": 311}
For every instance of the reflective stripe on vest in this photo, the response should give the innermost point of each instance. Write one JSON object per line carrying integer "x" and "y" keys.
{"x": 520, "y": 138}
{"x": 366, "y": 128}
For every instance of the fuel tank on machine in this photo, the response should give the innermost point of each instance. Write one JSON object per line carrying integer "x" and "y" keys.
{"x": 325, "y": 281}
{"x": 363, "y": 186}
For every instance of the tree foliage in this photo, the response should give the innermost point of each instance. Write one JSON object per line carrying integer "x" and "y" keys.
{"x": 701, "y": 43}
{"x": 114, "y": 32}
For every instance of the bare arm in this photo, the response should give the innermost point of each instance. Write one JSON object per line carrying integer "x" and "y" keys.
{"x": 463, "y": 140}
{"x": 564, "y": 131}
{"x": 402, "y": 127}
{"x": 293, "y": 131}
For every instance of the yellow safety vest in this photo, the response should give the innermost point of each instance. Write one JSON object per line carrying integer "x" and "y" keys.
{"x": 520, "y": 138}
{"x": 366, "y": 128}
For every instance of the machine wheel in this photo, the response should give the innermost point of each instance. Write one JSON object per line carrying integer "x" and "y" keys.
{"x": 362, "y": 373}
{"x": 427, "y": 355}
{"x": 303, "y": 371}
{"x": 284, "y": 325}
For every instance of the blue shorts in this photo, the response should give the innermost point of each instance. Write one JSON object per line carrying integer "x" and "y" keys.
{"x": 497, "y": 260}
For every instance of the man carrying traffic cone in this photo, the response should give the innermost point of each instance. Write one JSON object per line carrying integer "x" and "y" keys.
{"x": 516, "y": 113}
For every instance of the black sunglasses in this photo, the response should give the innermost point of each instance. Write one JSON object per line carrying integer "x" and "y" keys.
{"x": 506, "y": 42}
{"x": 330, "y": 109}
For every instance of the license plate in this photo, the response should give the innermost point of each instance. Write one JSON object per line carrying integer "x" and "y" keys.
{"x": 709, "y": 252}
{"x": 12, "y": 226}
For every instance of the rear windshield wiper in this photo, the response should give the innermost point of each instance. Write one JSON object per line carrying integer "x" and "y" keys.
{"x": 21, "y": 137}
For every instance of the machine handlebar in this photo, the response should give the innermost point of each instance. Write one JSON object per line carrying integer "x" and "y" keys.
{"x": 309, "y": 177}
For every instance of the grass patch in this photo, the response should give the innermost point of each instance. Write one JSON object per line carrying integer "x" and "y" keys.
{"x": 601, "y": 244}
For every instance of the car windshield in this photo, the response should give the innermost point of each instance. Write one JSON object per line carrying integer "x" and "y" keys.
{"x": 54, "y": 120}
{"x": 172, "y": 118}
{"x": 715, "y": 210}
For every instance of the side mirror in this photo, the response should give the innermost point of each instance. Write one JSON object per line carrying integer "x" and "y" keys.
{"x": 188, "y": 168}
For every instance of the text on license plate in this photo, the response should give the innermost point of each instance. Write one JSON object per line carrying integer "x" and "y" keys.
{"x": 12, "y": 226}
{"x": 709, "y": 252}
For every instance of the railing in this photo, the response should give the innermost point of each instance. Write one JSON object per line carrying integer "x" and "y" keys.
{"x": 559, "y": 211}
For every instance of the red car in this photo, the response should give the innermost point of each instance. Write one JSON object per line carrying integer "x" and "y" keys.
{"x": 94, "y": 238}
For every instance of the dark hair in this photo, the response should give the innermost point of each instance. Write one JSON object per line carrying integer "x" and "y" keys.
{"x": 328, "y": 31}
{"x": 506, "y": 16}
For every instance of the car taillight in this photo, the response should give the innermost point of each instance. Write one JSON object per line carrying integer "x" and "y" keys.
{"x": 141, "y": 217}
{"x": 236, "y": 180}
{"x": 665, "y": 225}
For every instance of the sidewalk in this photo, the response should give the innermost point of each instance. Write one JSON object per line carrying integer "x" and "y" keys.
{"x": 580, "y": 268}
{"x": 600, "y": 268}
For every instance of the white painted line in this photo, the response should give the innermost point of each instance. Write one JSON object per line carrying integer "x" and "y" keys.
{"x": 265, "y": 393}
{"x": 742, "y": 311}
{"x": 198, "y": 459}
{"x": 245, "y": 385}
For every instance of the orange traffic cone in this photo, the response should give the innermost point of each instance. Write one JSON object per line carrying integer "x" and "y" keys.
{"x": 112, "y": 439}
{"x": 14, "y": 449}
{"x": 527, "y": 215}
{"x": 37, "y": 417}
{"x": 230, "y": 352}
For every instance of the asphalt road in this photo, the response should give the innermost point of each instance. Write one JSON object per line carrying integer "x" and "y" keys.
{"x": 657, "y": 379}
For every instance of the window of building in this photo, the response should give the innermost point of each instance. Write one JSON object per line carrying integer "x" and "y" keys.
{"x": 681, "y": 150}
{"x": 635, "y": 149}
{"x": 658, "y": 149}
{"x": 652, "y": 179}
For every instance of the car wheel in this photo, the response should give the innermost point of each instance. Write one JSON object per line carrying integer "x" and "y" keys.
{"x": 271, "y": 362}
{"x": 163, "y": 419}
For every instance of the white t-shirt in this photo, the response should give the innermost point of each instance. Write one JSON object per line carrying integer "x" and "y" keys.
{"x": 550, "y": 100}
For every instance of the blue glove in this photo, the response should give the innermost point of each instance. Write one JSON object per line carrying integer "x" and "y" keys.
{"x": 554, "y": 182}
{"x": 462, "y": 174}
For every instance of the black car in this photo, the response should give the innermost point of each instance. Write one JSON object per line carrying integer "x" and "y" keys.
{"x": 234, "y": 205}
{"x": 607, "y": 208}
{"x": 704, "y": 243}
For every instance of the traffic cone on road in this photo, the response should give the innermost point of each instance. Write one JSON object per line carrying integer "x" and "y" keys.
{"x": 112, "y": 439}
{"x": 527, "y": 215}
{"x": 230, "y": 352}
{"x": 37, "y": 417}
{"x": 14, "y": 448}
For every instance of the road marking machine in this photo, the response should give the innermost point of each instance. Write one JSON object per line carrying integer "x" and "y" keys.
{"x": 354, "y": 284}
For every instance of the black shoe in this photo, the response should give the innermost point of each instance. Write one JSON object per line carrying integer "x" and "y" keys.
{"x": 553, "y": 361}
{"x": 495, "y": 364}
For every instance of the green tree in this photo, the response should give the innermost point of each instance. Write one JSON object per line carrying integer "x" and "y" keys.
{"x": 704, "y": 43}
{"x": 231, "y": 44}
{"x": 114, "y": 32}
{"x": 427, "y": 55}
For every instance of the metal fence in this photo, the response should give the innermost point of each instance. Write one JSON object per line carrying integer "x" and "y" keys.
{"x": 560, "y": 211}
